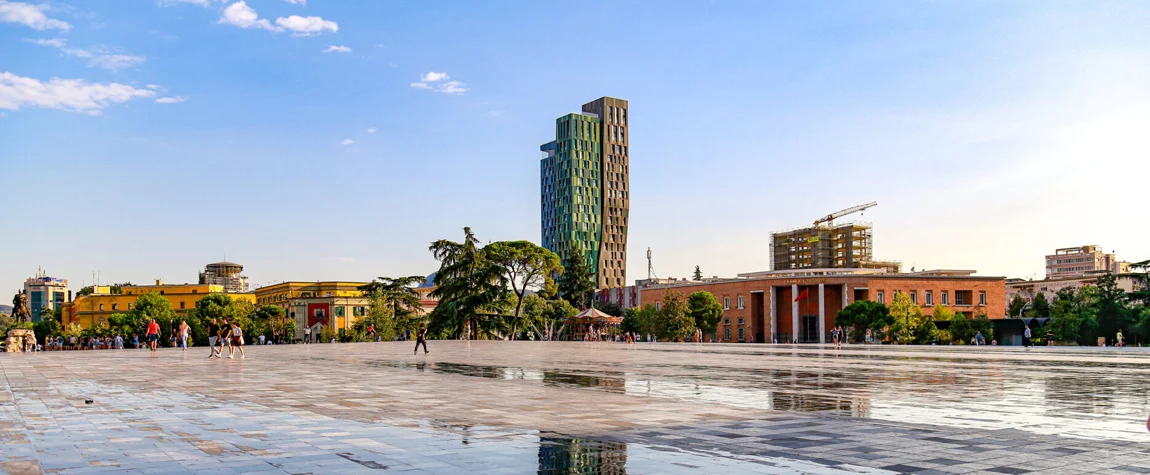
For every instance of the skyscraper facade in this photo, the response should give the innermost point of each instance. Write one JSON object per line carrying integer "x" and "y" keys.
{"x": 584, "y": 188}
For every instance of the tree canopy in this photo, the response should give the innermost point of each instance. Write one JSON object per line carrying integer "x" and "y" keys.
{"x": 577, "y": 282}
{"x": 861, "y": 315}
{"x": 674, "y": 320}
{"x": 705, "y": 310}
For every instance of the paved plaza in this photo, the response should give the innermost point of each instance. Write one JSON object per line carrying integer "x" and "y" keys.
{"x": 523, "y": 407}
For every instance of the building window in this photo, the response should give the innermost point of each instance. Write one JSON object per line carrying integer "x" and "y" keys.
{"x": 945, "y": 298}
{"x": 881, "y": 297}
{"x": 727, "y": 334}
{"x": 963, "y": 297}
{"x": 726, "y": 321}
{"x": 115, "y": 307}
{"x": 101, "y": 307}
{"x": 982, "y": 297}
{"x": 740, "y": 321}
{"x": 741, "y": 334}
{"x": 929, "y": 298}
{"x": 656, "y": 306}
{"x": 740, "y": 301}
{"x": 914, "y": 297}
{"x": 130, "y": 306}
{"x": 726, "y": 303}
{"x": 182, "y": 305}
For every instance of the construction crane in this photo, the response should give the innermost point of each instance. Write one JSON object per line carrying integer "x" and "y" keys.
{"x": 830, "y": 218}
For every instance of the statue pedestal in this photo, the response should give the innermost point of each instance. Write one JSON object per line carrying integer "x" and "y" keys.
{"x": 18, "y": 339}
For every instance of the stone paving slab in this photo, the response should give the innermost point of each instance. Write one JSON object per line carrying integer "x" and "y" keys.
{"x": 510, "y": 407}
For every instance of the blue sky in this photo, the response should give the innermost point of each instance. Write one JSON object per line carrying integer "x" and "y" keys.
{"x": 177, "y": 133}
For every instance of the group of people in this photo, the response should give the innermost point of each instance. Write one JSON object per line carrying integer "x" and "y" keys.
{"x": 222, "y": 332}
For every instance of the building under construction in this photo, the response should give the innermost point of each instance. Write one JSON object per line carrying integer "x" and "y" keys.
{"x": 827, "y": 245}
{"x": 226, "y": 274}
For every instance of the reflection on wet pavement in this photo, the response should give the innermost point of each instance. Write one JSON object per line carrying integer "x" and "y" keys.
{"x": 502, "y": 407}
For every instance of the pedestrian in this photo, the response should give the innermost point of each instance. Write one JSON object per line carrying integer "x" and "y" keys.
{"x": 153, "y": 334}
{"x": 421, "y": 338}
{"x": 1026, "y": 338}
{"x": 213, "y": 337}
{"x": 306, "y": 335}
{"x": 225, "y": 336}
{"x": 237, "y": 341}
{"x": 835, "y": 337}
{"x": 136, "y": 341}
{"x": 184, "y": 329}
{"x": 1120, "y": 341}
{"x": 979, "y": 339}
{"x": 119, "y": 342}
{"x": 262, "y": 338}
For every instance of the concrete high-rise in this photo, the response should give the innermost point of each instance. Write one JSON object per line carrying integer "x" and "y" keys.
{"x": 585, "y": 188}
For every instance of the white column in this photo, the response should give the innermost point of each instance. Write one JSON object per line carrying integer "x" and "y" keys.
{"x": 822, "y": 316}
{"x": 771, "y": 336}
{"x": 844, "y": 295}
{"x": 794, "y": 313}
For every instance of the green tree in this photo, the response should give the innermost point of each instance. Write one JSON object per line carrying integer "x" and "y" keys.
{"x": 982, "y": 324}
{"x": 611, "y": 308}
{"x": 522, "y": 265}
{"x": 1072, "y": 317}
{"x": 698, "y": 273}
{"x": 381, "y": 316}
{"x": 861, "y": 315}
{"x": 555, "y": 316}
{"x": 674, "y": 322}
{"x": 960, "y": 329}
{"x": 1040, "y": 307}
{"x": 640, "y": 320}
{"x": 271, "y": 321}
{"x": 705, "y": 310}
{"x": 1016, "y": 306}
{"x": 1110, "y": 308}
{"x": 128, "y": 324}
{"x": 152, "y": 305}
{"x": 467, "y": 286}
{"x": 48, "y": 325}
{"x": 399, "y": 295}
{"x": 87, "y": 290}
{"x": 576, "y": 282}
{"x": 910, "y": 324}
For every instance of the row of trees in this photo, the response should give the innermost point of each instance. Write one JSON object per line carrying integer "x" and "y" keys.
{"x": 1083, "y": 315}
{"x": 676, "y": 318}
{"x": 904, "y": 322}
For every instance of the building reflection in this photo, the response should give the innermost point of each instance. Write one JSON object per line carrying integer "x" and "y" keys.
{"x": 567, "y": 455}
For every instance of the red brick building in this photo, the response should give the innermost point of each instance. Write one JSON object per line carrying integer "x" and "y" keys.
{"x": 800, "y": 305}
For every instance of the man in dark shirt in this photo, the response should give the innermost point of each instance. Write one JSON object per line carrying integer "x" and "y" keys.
{"x": 213, "y": 336}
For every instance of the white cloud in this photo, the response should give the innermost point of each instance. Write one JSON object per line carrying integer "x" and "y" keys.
{"x": 153, "y": 87}
{"x": 241, "y": 15}
{"x": 297, "y": 2}
{"x": 306, "y": 26}
{"x": 371, "y": 131}
{"x": 72, "y": 95}
{"x": 347, "y": 142}
{"x": 431, "y": 81}
{"x": 30, "y": 15}
{"x": 337, "y": 49}
{"x": 433, "y": 77}
{"x": 171, "y": 100}
{"x": 99, "y": 57}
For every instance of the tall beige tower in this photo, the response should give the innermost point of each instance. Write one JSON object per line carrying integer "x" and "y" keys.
{"x": 615, "y": 188}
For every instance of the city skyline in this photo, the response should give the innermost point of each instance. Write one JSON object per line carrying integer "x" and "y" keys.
{"x": 336, "y": 141}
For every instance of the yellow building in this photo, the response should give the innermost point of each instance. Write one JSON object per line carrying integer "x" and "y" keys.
{"x": 317, "y": 304}
{"x": 102, "y": 303}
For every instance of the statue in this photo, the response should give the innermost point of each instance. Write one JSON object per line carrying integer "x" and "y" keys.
{"x": 20, "y": 310}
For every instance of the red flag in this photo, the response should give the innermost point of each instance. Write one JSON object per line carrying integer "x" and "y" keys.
{"x": 802, "y": 295}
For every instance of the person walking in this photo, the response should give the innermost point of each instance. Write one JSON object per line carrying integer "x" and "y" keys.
{"x": 421, "y": 338}
{"x": 237, "y": 341}
{"x": 1049, "y": 337}
{"x": 225, "y": 337}
{"x": 979, "y": 339}
{"x": 153, "y": 334}
{"x": 213, "y": 337}
{"x": 1026, "y": 338}
{"x": 306, "y": 335}
{"x": 184, "y": 329}
{"x": 1119, "y": 340}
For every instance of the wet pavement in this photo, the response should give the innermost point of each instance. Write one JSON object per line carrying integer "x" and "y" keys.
{"x": 516, "y": 407}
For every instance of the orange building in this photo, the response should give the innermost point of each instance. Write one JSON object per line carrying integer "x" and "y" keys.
{"x": 800, "y": 305}
{"x": 96, "y": 307}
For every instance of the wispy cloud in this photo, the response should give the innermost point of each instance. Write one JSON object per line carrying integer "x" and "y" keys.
{"x": 306, "y": 25}
{"x": 346, "y": 142}
{"x": 371, "y": 131}
{"x": 99, "y": 57}
{"x": 171, "y": 100}
{"x": 434, "y": 81}
{"x": 337, "y": 49}
{"x": 302, "y": 3}
{"x": 201, "y": 3}
{"x": 30, "y": 15}
{"x": 72, "y": 95}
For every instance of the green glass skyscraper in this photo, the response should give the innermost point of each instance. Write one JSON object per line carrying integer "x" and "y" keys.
{"x": 584, "y": 188}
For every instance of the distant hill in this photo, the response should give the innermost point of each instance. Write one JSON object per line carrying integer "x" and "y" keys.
{"x": 6, "y": 309}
